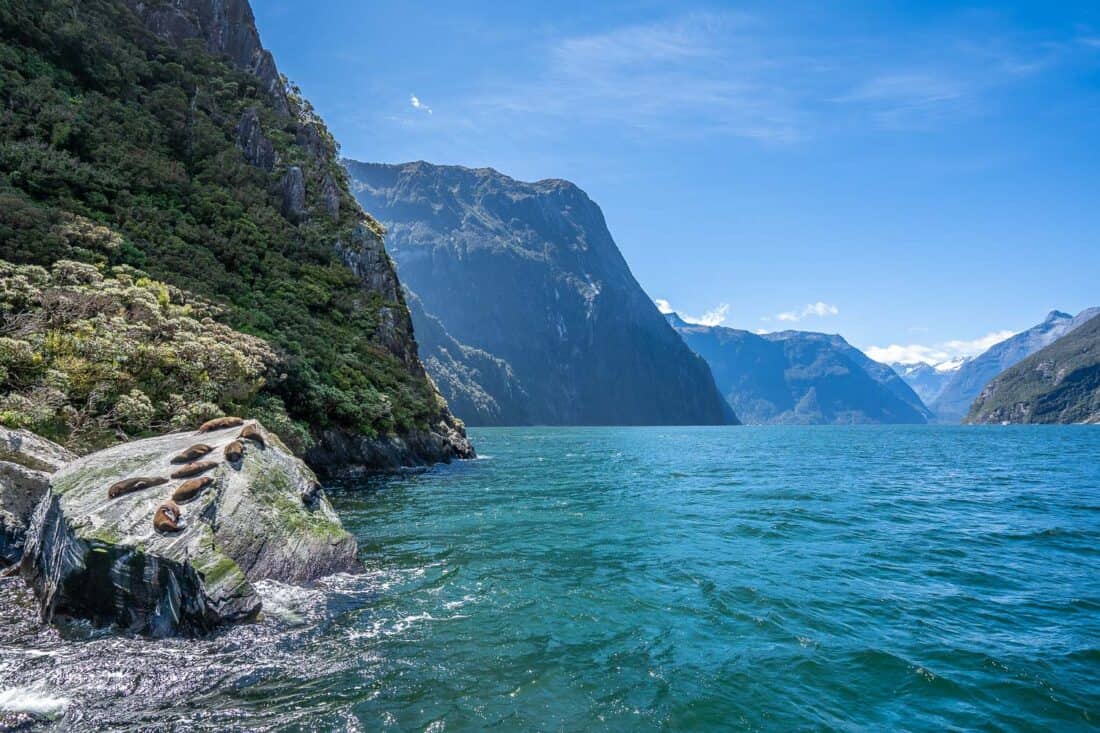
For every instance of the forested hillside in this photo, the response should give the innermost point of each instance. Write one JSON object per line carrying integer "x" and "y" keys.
{"x": 160, "y": 137}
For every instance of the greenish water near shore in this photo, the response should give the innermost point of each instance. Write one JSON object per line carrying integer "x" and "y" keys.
{"x": 632, "y": 579}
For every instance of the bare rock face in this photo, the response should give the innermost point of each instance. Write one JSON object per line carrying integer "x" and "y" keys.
{"x": 330, "y": 193}
{"x": 26, "y": 463}
{"x": 91, "y": 557}
{"x": 293, "y": 190}
{"x": 257, "y": 149}
{"x": 346, "y": 454}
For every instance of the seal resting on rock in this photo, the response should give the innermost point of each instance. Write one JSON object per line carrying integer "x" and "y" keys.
{"x": 191, "y": 488}
{"x": 254, "y": 433}
{"x": 130, "y": 485}
{"x": 167, "y": 517}
{"x": 310, "y": 493}
{"x": 220, "y": 423}
{"x": 234, "y": 451}
{"x": 196, "y": 451}
{"x": 193, "y": 469}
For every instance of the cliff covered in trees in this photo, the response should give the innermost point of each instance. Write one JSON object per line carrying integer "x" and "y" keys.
{"x": 152, "y": 150}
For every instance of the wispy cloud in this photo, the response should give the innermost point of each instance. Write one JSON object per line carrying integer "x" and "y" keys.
{"x": 691, "y": 75}
{"x": 417, "y": 104}
{"x": 936, "y": 353}
{"x": 756, "y": 77}
{"x": 819, "y": 309}
{"x": 714, "y": 317}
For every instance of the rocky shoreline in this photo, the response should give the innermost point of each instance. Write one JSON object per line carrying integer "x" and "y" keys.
{"x": 93, "y": 554}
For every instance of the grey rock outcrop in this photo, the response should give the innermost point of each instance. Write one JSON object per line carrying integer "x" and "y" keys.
{"x": 257, "y": 149}
{"x": 26, "y": 463}
{"x": 292, "y": 188}
{"x": 350, "y": 454}
{"x": 330, "y": 195}
{"x": 100, "y": 559}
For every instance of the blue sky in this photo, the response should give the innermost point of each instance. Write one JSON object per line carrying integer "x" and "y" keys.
{"x": 925, "y": 175}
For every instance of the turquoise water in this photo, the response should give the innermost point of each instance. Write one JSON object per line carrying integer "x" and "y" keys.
{"x": 687, "y": 579}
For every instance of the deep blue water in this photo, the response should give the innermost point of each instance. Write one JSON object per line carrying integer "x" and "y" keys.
{"x": 687, "y": 579}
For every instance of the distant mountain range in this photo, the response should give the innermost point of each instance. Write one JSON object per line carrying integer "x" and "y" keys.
{"x": 526, "y": 312}
{"x": 959, "y": 392}
{"x": 798, "y": 377}
{"x": 928, "y": 380}
{"x": 1059, "y": 383}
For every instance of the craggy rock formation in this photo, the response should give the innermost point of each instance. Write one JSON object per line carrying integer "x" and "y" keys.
{"x": 293, "y": 190}
{"x": 529, "y": 274}
{"x": 257, "y": 149}
{"x": 90, "y": 557}
{"x": 26, "y": 463}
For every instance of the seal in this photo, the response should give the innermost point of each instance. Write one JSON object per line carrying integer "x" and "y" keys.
{"x": 254, "y": 433}
{"x": 130, "y": 485}
{"x": 196, "y": 451}
{"x": 220, "y": 423}
{"x": 193, "y": 469}
{"x": 234, "y": 451}
{"x": 167, "y": 517}
{"x": 190, "y": 488}
{"x": 311, "y": 493}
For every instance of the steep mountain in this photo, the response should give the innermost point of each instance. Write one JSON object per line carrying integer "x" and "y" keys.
{"x": 1060, "y": 383}
{"x": 528, "y": 273}
{"x": 797, "y": 377}
{"x": 961, "y": 390}
{"x": 477, "y": 385}
{"x": 157, "y": 142}
{"x": 928, "y": 380}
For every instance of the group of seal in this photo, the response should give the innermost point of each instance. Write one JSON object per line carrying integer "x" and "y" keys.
{"x": 168, "y": 514}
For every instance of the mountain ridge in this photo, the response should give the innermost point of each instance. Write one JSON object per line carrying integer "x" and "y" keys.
{"x": 1060, "y": 383}
{"x": 530, "y": 274}
{"x": 800, "y": 377}
{"x": 958, "y": 394}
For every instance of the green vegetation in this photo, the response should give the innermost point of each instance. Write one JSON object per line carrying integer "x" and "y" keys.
{"x": 1057, "y": 384}
{"x": 118, "y": 150}
{"x": 86, "y": 357}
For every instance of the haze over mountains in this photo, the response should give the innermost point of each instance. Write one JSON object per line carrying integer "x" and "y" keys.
{"x": 801, "y": 378}
{"x": 527, "y": 274}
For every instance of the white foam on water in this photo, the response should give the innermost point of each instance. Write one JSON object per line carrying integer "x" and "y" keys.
{"x": 34, "y": 699}
{"x": 290, "y": 604}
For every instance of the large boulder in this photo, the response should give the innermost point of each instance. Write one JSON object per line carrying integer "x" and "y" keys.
{"x": 263, "y": 517}
{"x": 26, "y": 462}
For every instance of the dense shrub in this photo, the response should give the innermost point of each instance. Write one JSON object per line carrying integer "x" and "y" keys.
{"x": 89, "y": 357}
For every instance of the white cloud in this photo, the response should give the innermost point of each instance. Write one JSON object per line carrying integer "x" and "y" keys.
{"x": 819, "y": 309}
{"x": 417, "y": 104}
{"x": 714, "y": 317}
{"x": 935, "y": 353}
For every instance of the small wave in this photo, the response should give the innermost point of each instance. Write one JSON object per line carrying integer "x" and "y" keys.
{"x": 290, "y": 604}
{"x": 35, "y": 700}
